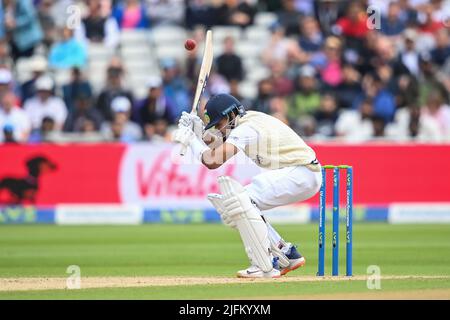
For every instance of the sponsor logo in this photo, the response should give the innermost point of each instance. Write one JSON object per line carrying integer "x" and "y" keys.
{"x": 25, "y": 214}
{"x": 149, "y": 177}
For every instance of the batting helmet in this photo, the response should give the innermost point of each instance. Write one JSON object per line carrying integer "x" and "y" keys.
{"x": 220, "y": 106}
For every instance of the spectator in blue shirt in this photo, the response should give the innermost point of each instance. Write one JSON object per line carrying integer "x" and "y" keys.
{"x": 392, "y": 24}
{"x": 68, "y": 52}
{"x": 75, "y": 88}
{"x": 175, "y": 86}
{"x": 441, "y": 53}
{"x": 311, "y": 38}
{"x": 20, "y": 19}
{"x": 383, "y": 101}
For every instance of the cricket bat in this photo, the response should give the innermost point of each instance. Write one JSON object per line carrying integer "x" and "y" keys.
{"x": 205, "y": 69}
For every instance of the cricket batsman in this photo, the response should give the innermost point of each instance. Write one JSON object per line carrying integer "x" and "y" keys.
{"x": 292, "y": 174}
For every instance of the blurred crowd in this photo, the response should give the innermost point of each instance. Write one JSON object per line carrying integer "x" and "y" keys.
{"x": 349, "y": 70}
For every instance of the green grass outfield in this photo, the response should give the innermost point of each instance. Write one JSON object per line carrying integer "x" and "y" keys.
{"x": 216, "y": 251}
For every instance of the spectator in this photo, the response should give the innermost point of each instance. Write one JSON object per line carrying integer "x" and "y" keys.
{"x": 406, "y": 91}
{"x": 326, "y": 116}
{"x": 159, "y": 131}
{"x": 409, "y": 123}
{"x": 428, "y": 80}
{"x": 353, "y": 25}
{"x": 331, "y": 69}
{"x": 311, "y": 38}
{"x": 68, "y": 52}
{"x": 98, "y": 28}
{"x": 265, "y": 94}
{"x": 75, "y": 88}
{"x": 350, "y": 87}
{"x": 327, "y": 13}
{"x": 438, "y": 112}
{"x": 121, "y": 128}
{"x": 289, "y": 17}
{"x": 281, "y": 48}
{"x": 155, "y": 107}
{"x": 22, "y": 25}
{"x": 383, "y": 102}
{"x": 45, "y": 104}
{"x": 409, "y": 56}
{"x": 6, "y": 80}
{"x": 356, "y": 125}
{"x": 283, "y": 86}
{"x": 235, "y": 92}
{"x": 229, "y": 64}
{"x": 8, "y": 134}
{"x": 278, "y": 108}
{"x": 392, "y": 24}
{"x": 38, "y": 68}
{"x": 386, "y": 54}
{"x": 367, "y": 53}
{"x": 45, "y": 131}
{"x": 306, "y": 99}
{"x": 305, "y": 126}
{"x": 14, "y": 117}
{"x": 47, "y": 22}
{"x": 379, "y": 125}
{"x": 169, "y": 11}
{"x": 430, "y": 25}
{"x": 408, "y": 13}
{"x": 7, "y": 84}
{"x": 176, "y": 86}
{"x": 235, "y": 13}
{"x": 84, "y": 117}
{"x": 113, "y": 89}
{"x": 217, "y": 83}
{"x": 5, "y": 57}
{"x": 305, "y": 7}
{"x": 198, "y": 12}
{"x": 131, "y": 14}
{"x": 60, "y": 12}
{"x": 441, "y": 53}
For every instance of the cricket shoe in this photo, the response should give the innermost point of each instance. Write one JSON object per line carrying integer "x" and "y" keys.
{"x": 256, "y": 272}
{"x": 296, "y": 260}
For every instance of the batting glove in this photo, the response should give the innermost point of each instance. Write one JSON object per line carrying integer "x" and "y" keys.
{"x": 183, "y": 135}
{"x": 192, "y": 121}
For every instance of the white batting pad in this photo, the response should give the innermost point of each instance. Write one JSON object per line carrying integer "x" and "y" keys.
{"x": 252, "y": 228}
{"x": 217, "y": 201}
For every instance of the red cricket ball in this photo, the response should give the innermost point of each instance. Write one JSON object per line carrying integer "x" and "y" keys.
{"x": 190, "y": 44}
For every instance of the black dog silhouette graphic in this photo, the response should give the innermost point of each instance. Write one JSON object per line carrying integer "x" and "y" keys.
{"x": 24, "y": 189}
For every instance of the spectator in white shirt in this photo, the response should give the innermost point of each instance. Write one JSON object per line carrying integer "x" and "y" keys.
{"x": 13, "y": 117}
{"x": 45, "y": 104}
{"x": 121, "y": 128}
{"x": 411, "y": 123}
{"x": 438, "y": 112}
{"x": 356, "y": 125}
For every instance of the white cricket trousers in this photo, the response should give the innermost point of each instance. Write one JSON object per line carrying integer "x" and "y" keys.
{"x": 280, "y": 187}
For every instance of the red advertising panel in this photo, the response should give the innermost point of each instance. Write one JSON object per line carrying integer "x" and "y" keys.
{"x": 146, "y": 174}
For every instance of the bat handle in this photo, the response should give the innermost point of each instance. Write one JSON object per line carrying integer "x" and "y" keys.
{"x": 183, "y": 150}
